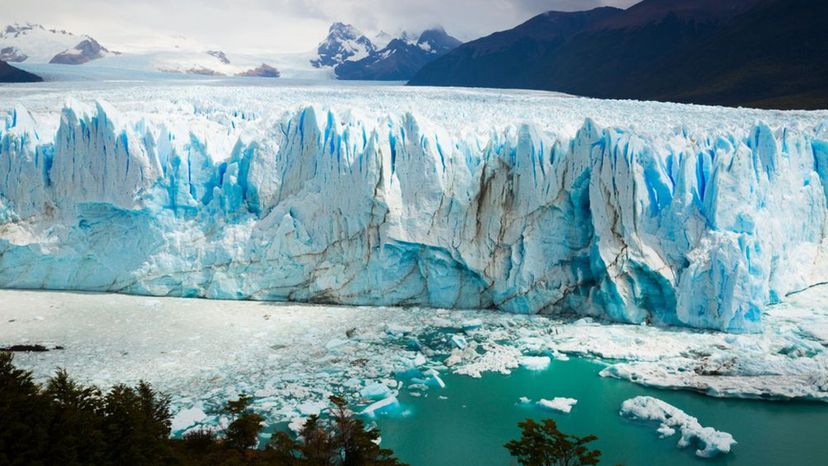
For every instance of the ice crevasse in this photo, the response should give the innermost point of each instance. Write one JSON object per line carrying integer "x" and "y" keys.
{"x": 702, "y": 229}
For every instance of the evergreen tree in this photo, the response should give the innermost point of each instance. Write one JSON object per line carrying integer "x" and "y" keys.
{"x": 343, "y": 441}
{"x": 545, "y": 445}
{"x": 243, "y": 431}
{"x": 24, "y": 416}
{"x": 75, "y": 432}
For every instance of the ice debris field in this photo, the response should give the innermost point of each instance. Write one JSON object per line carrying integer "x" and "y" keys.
{"x": 291, "y": 356}
{"x": 518, "y": 201}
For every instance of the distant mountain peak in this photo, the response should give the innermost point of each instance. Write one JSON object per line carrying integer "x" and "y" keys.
{"x": 35, "y": 43}
{"x": 401, "y": 58}
{"x": 87, "y": 50}
{"x": 343, "y": 42}
{"x": 17, "y": 29}
{"x": 262, "y": 71}
{"x": 437, "y": 40}
{"x": 221, "y": 56}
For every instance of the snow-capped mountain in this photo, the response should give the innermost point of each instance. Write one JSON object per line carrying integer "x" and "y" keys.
{"x": 34, "y": 43}
{"x": 353, "y": 55}
{"x": 344, "y": 42}
{"x": 87, "y": 50}
{"x": 401, "y": 59}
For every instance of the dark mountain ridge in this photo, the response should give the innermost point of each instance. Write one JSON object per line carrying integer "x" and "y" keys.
{"x": 10, "y": 74}
{"x": 762, "y": 53}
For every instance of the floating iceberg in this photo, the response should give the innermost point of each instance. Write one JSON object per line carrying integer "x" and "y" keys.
{"x": 713, "y": 442}
{"x": 563, "y": 405}
{"x": 382, "y": 405}
{"x": 695, "y": 227}
{"x": 535, "y": 363}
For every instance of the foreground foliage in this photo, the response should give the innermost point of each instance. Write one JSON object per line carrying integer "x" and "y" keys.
{"x": 545, "y": 445}
{"x": 65, "y": 422}
{"x": 341, "y": 440}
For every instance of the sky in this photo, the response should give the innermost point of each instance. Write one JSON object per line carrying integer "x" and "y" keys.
{"x": 273, "y": 25}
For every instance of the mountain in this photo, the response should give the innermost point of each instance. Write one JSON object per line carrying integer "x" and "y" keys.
{"x": 400, "y": 59}
{"x": 762, "y": 53}
{"x": 10, "y": 74}
{"x": 344, "y": 42}
{"x": 262, "y": 71}
{"x": 509, "y": 58}
{"x": 86, "y": 51}
{"x": 33, "y": 43}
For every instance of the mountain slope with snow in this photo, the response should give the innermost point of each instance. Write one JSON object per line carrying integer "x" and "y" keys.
{"x": 33, "y": 43}
{"x": 353, "y": 56}
{"x": 344, "y": 42}
{"x": 668, "y": 214}
{"x": 401, "y": 59}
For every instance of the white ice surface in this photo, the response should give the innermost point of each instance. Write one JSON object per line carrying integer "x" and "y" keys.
{"x": 670, "y": 418}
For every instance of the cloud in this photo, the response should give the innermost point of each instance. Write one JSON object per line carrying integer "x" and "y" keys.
{"x": 276, "y": 25}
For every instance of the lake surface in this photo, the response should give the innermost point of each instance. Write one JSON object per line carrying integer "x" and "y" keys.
{"x": 478, "y": 416}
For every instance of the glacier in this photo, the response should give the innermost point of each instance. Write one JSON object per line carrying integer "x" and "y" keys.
{"x": 700, "y": 226}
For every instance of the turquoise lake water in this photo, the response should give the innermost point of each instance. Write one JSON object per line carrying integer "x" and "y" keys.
{"x": 478, "y": 416}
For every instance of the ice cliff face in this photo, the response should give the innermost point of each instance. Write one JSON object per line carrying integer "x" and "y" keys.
{"x": 702, "y": 230}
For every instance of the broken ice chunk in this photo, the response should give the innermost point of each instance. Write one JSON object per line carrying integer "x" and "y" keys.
{"x": 375, "y": 391}
{"x": 535, "y": 363}
{"x": 311, "y": 408}
{"x": 380, "y": 406}
{"x": 713, "y": 442}
{"x": 435, "y": 377}
{"x": 459, "y": 341}
{"x": 187, "y": 418}
{"x": 561, "y": 404}
{"x": 471, "y": 324}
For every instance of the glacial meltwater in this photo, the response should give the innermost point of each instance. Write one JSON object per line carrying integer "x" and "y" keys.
{"x": 469, "y": 420}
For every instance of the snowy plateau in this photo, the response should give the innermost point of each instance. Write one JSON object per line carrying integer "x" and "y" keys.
{"x": 517, "y": 201}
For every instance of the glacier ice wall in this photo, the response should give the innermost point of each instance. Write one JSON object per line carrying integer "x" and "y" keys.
{"x": 697, "y": 229}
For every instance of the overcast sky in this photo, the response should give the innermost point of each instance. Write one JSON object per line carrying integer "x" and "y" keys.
{"x": 274, "y": 25}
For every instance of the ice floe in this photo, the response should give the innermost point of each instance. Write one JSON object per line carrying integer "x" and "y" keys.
{"x": 560, "y": 404}
{"x": 712, "y": 442}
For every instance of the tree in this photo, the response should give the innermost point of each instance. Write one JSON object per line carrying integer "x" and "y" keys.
{"x": 545, "y": 445}
{"x": 341, "y": 441}
{"x": 136, "y": 424}
{"x": 316, "y": 447}
{"x": 243, "y": 431}
{"x": 67, "y": 422}
{"x": 358, "y": 446}
{"x": 75, "y": 430}
{"x": 24, "y": 415}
